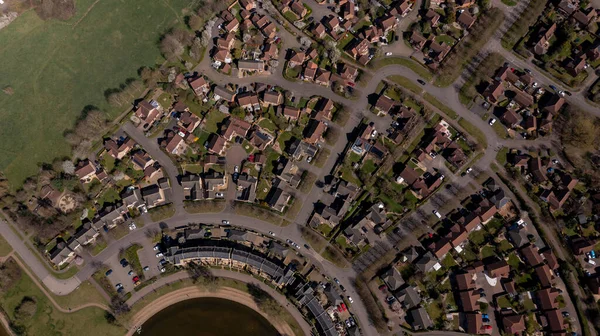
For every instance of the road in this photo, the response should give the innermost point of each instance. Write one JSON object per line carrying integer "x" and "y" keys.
{"x": 358, "y": 109}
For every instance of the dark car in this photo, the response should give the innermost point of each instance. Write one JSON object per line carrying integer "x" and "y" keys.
{"x": 568, "y": 93}
{"x": 109, "y": 272}
{"x": 342, "y": 288}
{"x": 422, "y": 82}
{"x": 553, "y": 87}
{"x": 124, "y": 262}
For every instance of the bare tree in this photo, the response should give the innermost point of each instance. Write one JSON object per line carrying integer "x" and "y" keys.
{"x": 170, "y": 47}
{"x": 68, "y": 167}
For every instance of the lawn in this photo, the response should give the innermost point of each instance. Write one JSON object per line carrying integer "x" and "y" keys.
{"x": 58, "y": 68}
{"x": 441, "y": 106}
{"x": 405, "y": 62}
{"x": 204, "y": 206}
{"x": 5, "y": 248}
{"x": 212, "y": 119}
{"x": 501, "y": 156}
{"x": 131, "y": 255}
{"x": 513, "y": 260}
{"x": 474, "y": 132}
{"x": 47, "y": 320}
{"x": 321, "y": 159}
{"x": 487, "y": 251}
{"x": 268, "y": 125}
{"x": 406, "y": 83}
{"x": 162, "y": 212}
{"x": 369, "y": 167}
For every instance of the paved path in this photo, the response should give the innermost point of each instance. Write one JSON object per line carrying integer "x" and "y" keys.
{"x": 282, "y": 300}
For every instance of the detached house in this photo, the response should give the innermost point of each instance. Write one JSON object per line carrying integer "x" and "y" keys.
{"x": 200, "y": 86}
{"x": 85, "y": 171}
{"x": 147, "y": 112}
{"x": 118, "y": 150}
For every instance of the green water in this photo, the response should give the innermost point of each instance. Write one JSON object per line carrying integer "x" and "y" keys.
{"x": 208, "y": 317}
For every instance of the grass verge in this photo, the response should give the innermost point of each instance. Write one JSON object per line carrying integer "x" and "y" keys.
{"x": 162, "y": 212}
{"x": 204, "y": 206}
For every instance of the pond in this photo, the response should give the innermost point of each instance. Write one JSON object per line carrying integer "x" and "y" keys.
{"x": 208, "y": 317}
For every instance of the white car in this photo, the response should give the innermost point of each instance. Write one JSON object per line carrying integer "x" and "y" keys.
{"x": 156, "y": 247}
{"x": 469, "y": 170}
{"x": 159, "y": 254}
{"x": 146, "y": 269}
{"x": 272, "y": 233}
{"x": 388, "y": 54}
{"x": 225, "y": 222}
{"x": 561, "y": 92}
{"x": 219, "y": 195}
{"x": 591, "y": 262}
{"x": 435, "y": 212}
{"x": 442, "y": 177}
{"x": 163, "y": 270}
{"x": 350, "y": 299}
{"x": 309, "y": 159}
{"x": 492, "y": 121}
{"x": 132, "y": 227}
{"x": 236, "y": 169}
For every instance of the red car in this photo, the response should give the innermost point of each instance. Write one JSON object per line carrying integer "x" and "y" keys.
{"x": 488, "y": 327}
{"x": 383, "y": 288}
{"x": 343, "y": 305}
{"x": 136, "y": 279}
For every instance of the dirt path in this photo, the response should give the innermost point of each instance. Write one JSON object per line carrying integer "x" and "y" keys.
{"x": 194, "y": 292}
{"x": 85, "y": 14}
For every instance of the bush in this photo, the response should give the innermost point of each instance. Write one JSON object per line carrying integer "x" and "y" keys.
{"x": 26, "y": 309}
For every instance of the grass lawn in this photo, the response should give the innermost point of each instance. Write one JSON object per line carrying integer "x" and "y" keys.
{"x": 504, "y": 246}
{"x": 58, "y": 68}
{"x": 405, "y": 62}
{"x": 501, "y": 156}
{"x": 513, "y": 260}
{"x": 110, "y": 196}
{"x": 321, "y": 158}
{"x": 194, "y": 168}
{"x": 487, "y": 251}
{"x": 205, "y": 206}
{"x": 162, "y": 212}
{"x": 448, "y": 40}
{"x": 392, "y": 205}
{"x": 131, "y": 255}
{"x": 308, "y": 180}
{"x": 325, "y": 229}
{"x": 255, "y": 211}
{"x": 369, "y": 167}
{"x": 5, "y": 248}
{"x": 474, "y": 132}
{"x": 268, "y": 125}
{"x": 99, "y": 246}
{"x": 500, "y": 130}
{"x": 47, "y": 320}
{"x": 85, "y": 293}
{"x": 313, "y": 238}
{"x": 283, "y": 138}
{"x": 441, "y": 106}
{"x": 332, "y": 254}
{"x": 406, "y": 83}
{"x": 503, "y": 302}
{"x": 213, "y": 118}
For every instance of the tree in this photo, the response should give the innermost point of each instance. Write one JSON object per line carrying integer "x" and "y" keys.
{"x": 265, "y": 302}
{"x": 150, "y": 76}
{"x": 195, "y": 22}
{"x": 26, "y": 309}
{"x": 68, "y": 167}
{"x": 450, "y": 12}
{"x": 118, "y": 306}
{"x": 578, "y": 129}
{"x": 170, "y": 47}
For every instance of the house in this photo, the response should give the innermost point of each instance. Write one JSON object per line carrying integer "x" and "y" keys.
{"x": 393, "y": 279}
{"x": 440, "y": 247}
{"x": 465, "y": 20}
{"x": 550, "y": 259}
{"x": 260, "y": 139}
{"x": 310, "y": 71}
{"x": 545, "y": 275}
{"x": 278, "y": 199}
{"x": 175, "y": 144}
{"x": 417, "y": 40}
{"x": 192, "y": 187}
{"x": 132, "y": 198}
{"x": 304, "y": 149}
{"x": 222, "y": 93}
{"x": 86, "y": 234}
{"x": 372, "y": 34}
{"x": 513, "y": 324}
{"x": 387, "y": 23}
{"x": 358, "y": 48}
{"x": 543, "y": 43}
{"x": 432, "y": 17}
{"x": 154, "y": 195}
{"x": 497, "y": 269}
{"x": 216, "y": 144}
{"x": 248, "y": 101}
{"x": 314, "y": 131}
{"x": 427, "y": 262}
{"x": 347, "y": 10}
{"x": 319, "y": 30}
{"x": 457, "y": 235}
{"x": 438, "y": 51}
{"x": 246, "y": 188}
{"x": 494, "y": 91}
{"x": 297, "y": 59}
{"x": 547, "y": 298}
{"x": 510, "y": 118}
{"x": 147, "y": 112}
{"x": 419, "y": 319}
{"x": 119, "y": 149}
{"x": 464, "y": 3}
{"x": 85, "y": 171}
{"x": 537, "y": 170}
{"x": 522, "y": 98}
{"x": 408, "y": 297}
{"x": 248, "y": 5}
{"x": 473, "y": 323}
{"x": 554, "y": 105}
{"x": 470, "y": 221}
{"x": 290, "y": 112}
{"x": 215, "y": 185}
{"x": 236, "y": 127}
{"x": 251, "y": 66}
{"x": 323, "y": 77}
{"x": 332, "y": 23}
{"x": 576, "y": 65}
{"x": 298, "y": 8}
{"x": 556, "y": 322}
{"x": 221, "y": 56}
{"x": 403, "y": 8}
{"x": 141, "y": 160}
{"x": 468, "y": 300}
{"x": 233, "y": 25}
{"x": 348, "y": 73}
{"x": 61, "y": 254}
{"x": 583, "y": 19}
{"x": 518, "y": 237}
{"x": 272, "y": 98}
{"x": 226, "y": 43}
{"x": 384, "y": 105}
{"x": 465, "y": 281}
{"x": 531, "y": 255}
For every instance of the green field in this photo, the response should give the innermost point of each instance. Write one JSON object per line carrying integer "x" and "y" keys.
{"x": 58, "y": 68}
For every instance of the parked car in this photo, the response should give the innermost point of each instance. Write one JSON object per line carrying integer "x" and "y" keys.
{"x": 342, "y": 288}
{"x": 163, "y": 270}
{"x": 132, "y": 227}
{"x": 336, "y": 281}
{"x": 306, "y": 246}
{"x": 350, "y": 299}
{"x": 438, "y": 215}
{"x": 389, "y": 53}
{"x": 469, "y": 170}
{"x": 109, "y": 272}
{"x": 146, "y": 269}
{"x": 488, "y": 327}
{"x": 485, "y": 316}
{"x": 565, "y": 314}
{"x": 422, "y": 82}
{"x": 272, "y": 233}
{"x": 492, "y": 121}
{"x": 225, "y": 222}
{"x": 119, "y": 285}
{"x": 236, "y": 169}
{"x": 130, "y": 272}
{"x": 159, "y": 254}
{"x": 553, "y": 87}
{"x": 156, "y": 247}
{"x": 124, "y": 262}
{"x": 309, "y": 159}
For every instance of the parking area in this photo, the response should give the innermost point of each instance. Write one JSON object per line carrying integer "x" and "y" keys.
{"x": 148, "y": 258}
{"x": 119, "y": 274}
